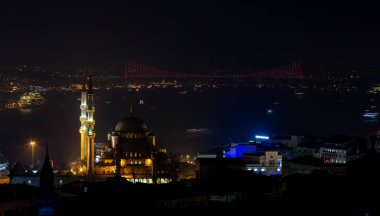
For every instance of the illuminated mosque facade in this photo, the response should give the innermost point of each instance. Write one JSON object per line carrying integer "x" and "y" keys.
{"x": 129, "y": 152}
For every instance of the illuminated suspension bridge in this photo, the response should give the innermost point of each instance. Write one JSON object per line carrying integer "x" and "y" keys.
{"x": 137, "y": 70}
{"x": 133, "y": 70}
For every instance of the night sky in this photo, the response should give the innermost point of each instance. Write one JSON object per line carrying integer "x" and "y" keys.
{"x": 188, "y": 34}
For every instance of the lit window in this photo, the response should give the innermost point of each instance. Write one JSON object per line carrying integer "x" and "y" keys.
{"x": 135, "y": 154}
{"x": 139, "y": 162}
{"x": 60, "y": 181}
{"x": 279, "y": 163}
{"x": 29, "y": 181}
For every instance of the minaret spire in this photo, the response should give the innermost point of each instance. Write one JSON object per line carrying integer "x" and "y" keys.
{"x": 90, "y": 85}
{"x": 83, "y": 121}
{"x": 90, "y": 133}
{"x": 47, "y": 175}
{"x": 84, "y": 84}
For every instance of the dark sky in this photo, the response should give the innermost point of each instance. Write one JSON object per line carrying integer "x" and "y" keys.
{"x": 191, "y": 33}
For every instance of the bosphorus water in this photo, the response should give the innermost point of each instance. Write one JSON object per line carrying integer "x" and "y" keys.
{"x": 227, "y": 114}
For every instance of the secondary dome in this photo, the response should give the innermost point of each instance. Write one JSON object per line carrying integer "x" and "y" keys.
{"x": 131, "y": 124}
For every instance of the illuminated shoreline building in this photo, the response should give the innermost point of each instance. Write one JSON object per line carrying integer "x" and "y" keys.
{"x": 256, "y": 156}
{"x": 130, "y": 151}
{"x": 87, "y": 129}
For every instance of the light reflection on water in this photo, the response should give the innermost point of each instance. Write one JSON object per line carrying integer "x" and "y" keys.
{"x": 236, "y": 113}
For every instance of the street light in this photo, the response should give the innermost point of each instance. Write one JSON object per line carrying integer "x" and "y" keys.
{"x": 32, "y": 144}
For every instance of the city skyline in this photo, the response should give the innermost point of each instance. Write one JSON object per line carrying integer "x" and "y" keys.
{"x": 189, "y": 107}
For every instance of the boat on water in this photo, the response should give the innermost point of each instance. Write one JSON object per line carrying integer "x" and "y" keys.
{"x": 371, "y": 113}
{"x": 299, "y": 92}
{"x": 31, "y": 99}
{"x": 195, "y": 131}
{"x": 11, "y": 105}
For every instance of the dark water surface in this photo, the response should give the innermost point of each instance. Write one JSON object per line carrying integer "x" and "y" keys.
{"x": 229, "y": 113}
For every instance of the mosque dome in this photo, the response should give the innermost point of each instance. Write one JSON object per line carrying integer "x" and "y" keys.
{"x": 131, "y": 124}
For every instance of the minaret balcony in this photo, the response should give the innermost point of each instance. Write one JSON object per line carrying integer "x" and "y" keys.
{"x": 83, "y": 128}
{"x": 90, "y": 109}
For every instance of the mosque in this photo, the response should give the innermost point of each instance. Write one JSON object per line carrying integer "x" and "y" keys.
{"x": 129, "y": 152}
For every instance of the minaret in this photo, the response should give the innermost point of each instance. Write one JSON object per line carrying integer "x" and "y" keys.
{"x": 46, "y": 199}
{"x": 90, "y": 130}
{"x": 83, "y": 122}
{"x": 47, "y": 175}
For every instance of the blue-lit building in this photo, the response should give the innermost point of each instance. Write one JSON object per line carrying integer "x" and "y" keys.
{"x": 258, "y": 156}
{"x": 269, "y": 163}
{"x": 239, "y": 149}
